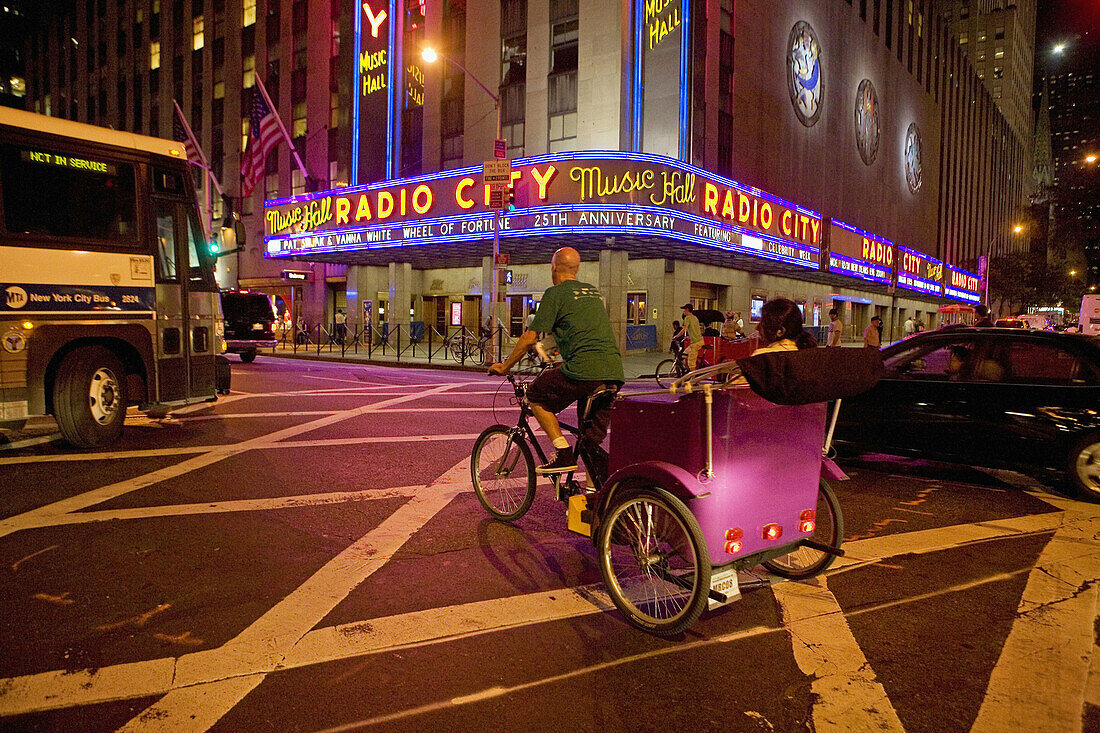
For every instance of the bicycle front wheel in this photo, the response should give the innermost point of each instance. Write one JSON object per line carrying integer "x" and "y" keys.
{"x": 668, "y": 371}
{"x": 806, "y": 562}
{"x": 503, "y": 472}
{"x": 654, "y": 561}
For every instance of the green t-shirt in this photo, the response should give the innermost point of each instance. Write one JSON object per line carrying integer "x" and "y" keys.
{"x": 575, "y": 314}
{"x": 694, "y": 330}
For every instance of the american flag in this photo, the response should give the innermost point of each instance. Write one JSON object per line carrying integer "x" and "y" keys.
{"x": 263, "y": 136}
{"x": 182, "y": 133}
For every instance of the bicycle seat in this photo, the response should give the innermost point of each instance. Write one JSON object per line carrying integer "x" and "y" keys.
{"x": 600, "y": 398}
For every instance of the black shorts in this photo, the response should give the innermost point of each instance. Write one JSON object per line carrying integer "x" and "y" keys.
{"x": 555, "y": 392}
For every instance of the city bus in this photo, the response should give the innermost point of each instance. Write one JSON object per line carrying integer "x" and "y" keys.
{"x": 107, "y": 291}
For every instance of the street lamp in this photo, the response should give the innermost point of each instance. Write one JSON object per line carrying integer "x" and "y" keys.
{"x": 989, "y": 260}
{"x": 430, "y": 55}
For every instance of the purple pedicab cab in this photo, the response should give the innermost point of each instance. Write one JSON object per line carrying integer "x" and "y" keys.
{"x": 724, "y": 471}
{"x": 760, "y": 476}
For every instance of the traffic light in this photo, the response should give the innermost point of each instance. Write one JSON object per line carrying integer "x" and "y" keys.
{"x": 510, "y": 200}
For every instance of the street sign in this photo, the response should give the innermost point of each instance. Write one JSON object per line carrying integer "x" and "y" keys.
{"x": 496, "y": 171}
{"x": 500, "y": 149}
{"x": 502, "y": 258}
{"x": 497, "y": 198}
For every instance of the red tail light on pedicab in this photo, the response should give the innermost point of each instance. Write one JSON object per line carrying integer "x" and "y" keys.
{"x": 772, "y": 531}
{"x": 807, "y": 526}
{"x": 733, "y": 540}
{"x": 807, "y": 520}
{"x": 808, "y": 514}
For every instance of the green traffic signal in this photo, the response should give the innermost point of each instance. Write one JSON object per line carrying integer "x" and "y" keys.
{"x": 511, "y": 200}
{"x": 214, "y": 248}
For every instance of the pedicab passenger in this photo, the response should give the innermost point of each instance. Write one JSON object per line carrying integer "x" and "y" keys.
{"x": 781, "y": 328}
{"x": 574, "y": 313}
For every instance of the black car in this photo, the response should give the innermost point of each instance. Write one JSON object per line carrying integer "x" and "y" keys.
{"x": 987, "y": 396}
{"x": 249, "y": 323}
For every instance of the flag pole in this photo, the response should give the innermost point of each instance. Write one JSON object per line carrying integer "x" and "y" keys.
{"x": 204, "y": 164}
{"x": 282, "y": 127}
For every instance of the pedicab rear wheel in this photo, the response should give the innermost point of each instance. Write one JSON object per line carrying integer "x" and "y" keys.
{"x": 806, "y": 562}
{"x": 654, "y": 561}
{"x": 503, "y": 472}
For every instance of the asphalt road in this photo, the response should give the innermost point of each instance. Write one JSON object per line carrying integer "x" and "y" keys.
{"x": 307, "y": 554}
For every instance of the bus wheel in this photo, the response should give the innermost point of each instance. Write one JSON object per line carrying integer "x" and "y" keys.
{"x": 247, "y": 357}
{"x": 89, "y": 397}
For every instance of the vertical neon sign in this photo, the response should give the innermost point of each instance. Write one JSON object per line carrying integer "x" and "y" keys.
{"x": 373, "y": 94}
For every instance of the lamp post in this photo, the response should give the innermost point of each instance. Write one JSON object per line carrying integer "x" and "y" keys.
{"x": 430, "y": 55}
{"x": 989, "y": 261}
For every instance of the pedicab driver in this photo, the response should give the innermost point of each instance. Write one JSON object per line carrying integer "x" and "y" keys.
{"x": 574, "y": 312}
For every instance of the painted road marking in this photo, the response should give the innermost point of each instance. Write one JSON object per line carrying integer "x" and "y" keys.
{"x": 1043, "y": 671}
{"x": 827, "y": 652}
{"x": 210, "y": 683}
{"x": 63, "y": 688}
{"x": 35, "y": 517}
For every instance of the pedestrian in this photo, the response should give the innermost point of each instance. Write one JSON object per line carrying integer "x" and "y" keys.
{"x": 575, "y": 314}
{"x": 984, "y": 319}
{"x": 910, "y": 326}
{"x": 341, "y": 325}
{"x": 836, "y": 328}
{"x": 694, "y": 332}
{"x": 674, "y": 345}
{"x": 872, "y": 337}
{"x": 729, "y": 326}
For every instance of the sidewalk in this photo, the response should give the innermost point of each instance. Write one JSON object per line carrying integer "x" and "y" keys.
{"x": 636, "y": 364}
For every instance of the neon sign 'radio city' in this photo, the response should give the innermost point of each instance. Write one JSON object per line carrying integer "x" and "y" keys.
{"x": 878, "y": 252}
{"x": 964, "y": 280}
{"x": 760, "y": 214}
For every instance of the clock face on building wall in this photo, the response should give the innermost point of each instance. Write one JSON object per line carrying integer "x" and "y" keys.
{"x": 867, "y": 121}
{"x": 804, "y": 80}
{"x": 913, "y": 170}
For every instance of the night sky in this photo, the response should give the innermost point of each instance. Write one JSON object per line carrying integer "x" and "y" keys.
{"x": 1075, "y": 22}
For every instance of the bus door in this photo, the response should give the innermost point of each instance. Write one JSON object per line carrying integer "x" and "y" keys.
{"x": 186, "y": 308}
{"x": 173, "y": 377}
{"x": 203, "y": 311}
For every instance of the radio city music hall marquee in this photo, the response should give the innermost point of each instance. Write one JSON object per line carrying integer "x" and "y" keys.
{"x": 598, "y": 194}
{"x": 567, "y": 193}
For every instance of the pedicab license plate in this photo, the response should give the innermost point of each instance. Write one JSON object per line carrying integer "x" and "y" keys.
{"x": 724, "y": 582}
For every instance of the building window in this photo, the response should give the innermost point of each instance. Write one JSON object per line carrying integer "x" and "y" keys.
{"x": 249, "y": 13}
{"x": 998, "y": 72}
{"x": 963, "y": 39}
{"x": 249, "y": 71}
{"x": 997, "y": 92}
{"x": 999, "y": 34}
{"x": 513, "y": 73}
{"x": 298, "y": 126}
{"x": 334, "y": 110}
{"x": 999, "y": 52}
{"x": 197, "y": 36}
{"x": 636, "y": 309}
{"x": 271, "y": 186}
{"x": 562, "y": 87}
{"x": 154, "y": 55}
{"x": 297, "y": 182}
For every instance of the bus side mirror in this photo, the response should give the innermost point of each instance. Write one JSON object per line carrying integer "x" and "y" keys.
{"x": 232, "y": 235}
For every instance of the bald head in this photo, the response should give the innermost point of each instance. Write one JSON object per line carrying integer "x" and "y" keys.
{"x": 565, "y": 264}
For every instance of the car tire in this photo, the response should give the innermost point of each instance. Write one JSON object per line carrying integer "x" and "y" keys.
{"x": 1084, "y": 467}
{"x": 249, "y": 356}
{"x": 90, "y": 397}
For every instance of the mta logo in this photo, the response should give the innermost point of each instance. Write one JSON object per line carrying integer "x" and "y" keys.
{"x": 15, "y": 297}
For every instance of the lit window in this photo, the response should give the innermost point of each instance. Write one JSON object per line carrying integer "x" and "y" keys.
{"x": 297, "y": 182}
{"x": 963, "y": 39}
{"x": 998, "y": 72}
{"x": 219, "y": 90}
{"x": 154, "y": 55}
{"x": 249, "y": 71}
{"x": 299, "y": 124}
{"x": 249, "y": 13}
{"x": 999, "y": 53}
{"x": 246, "y": 126}
{"x": 198, "y": 38}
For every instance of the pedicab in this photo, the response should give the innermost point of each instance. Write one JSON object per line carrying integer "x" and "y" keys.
{"x": 723, "y": 471}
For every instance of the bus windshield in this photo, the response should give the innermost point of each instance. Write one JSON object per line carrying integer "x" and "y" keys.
{"x": 52, "y": 194}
